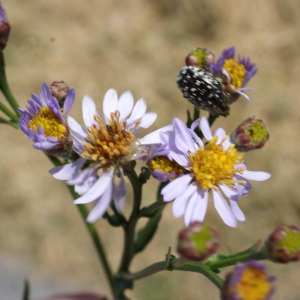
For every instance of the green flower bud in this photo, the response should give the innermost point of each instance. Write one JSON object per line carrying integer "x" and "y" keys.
{"x": 197, "y": 242}
{"x": 249, "y": 135}
{"x": 201, "y": 58}
{"x": 283, "y": 245}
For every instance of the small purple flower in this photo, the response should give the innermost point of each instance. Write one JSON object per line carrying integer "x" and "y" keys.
{"x": 214, "y": 166}
{"x": 44, "y": 123}
{"x": 107, "y": 144}
{"x": 236, "y": 74}
{"x": 248, "y": 281}
{"x": 4, "y": 28}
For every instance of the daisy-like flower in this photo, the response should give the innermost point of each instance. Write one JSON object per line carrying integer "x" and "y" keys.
{"x": 45, "y": 123}
{"x": 236, "y": 73}
{"x": 106, "y": 146}
{"x": 214, "y": 166}
{"x": 248, "y": 281}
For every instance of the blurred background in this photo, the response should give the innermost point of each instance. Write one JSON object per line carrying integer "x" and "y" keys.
{"x": 140, "y": 46}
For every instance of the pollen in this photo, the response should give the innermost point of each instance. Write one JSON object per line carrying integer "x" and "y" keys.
{"x": 163, "y": 164}
{"x": 253, "y": 285}
{"x": 108, "y": 145}
{"x": 212, "y": 165}
{"x": 236, "y": 71}
{"x": 50, "y": 123}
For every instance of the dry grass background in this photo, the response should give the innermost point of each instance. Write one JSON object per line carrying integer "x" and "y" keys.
{"x": 141, "y": 45}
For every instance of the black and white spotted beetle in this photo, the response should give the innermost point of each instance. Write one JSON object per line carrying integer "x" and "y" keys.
{"x": 203, "y": 90}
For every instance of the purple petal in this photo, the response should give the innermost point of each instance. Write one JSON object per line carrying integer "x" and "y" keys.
{"x": 69, "y": 101}
{"x": 183, "y": 139}
{"x": 237, "y": 211}
{"x": 68, "y": 171}
{"x": 120, "y": 195}
{"x": 258, "y": 176}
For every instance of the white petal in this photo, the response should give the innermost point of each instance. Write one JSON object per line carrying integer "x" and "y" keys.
{"x": 88, "y": 110}
{"x": 205, "y": 128}
{"x": 68, "y": 171}
{"x": 176, "y": 187}
{"x": 148, "y": 119}
{"x": 101, "y": 206}
{"x": 237, "y": 211}
{"x": 138, "y": 111}
{"x": 76, "y": 127}
{"x": 183, "y": 139}
{"x": 120, "y": 195}
{"x": 125, "y": 104}
{"x": 97, "y": 189}
{"x": 220, "y": 133}
{"x": 258, "y": 176}
{"x": 190, "y": 209}
{"x": 229, "y": 192}
{"x": 154, "y": 137}
{"x": 195, "y": 124}
{"x": 110, "y": 103}
{"x": 180, "y": 202}
{"x": 200, "y": 207}
{"x": 224, "y": 209}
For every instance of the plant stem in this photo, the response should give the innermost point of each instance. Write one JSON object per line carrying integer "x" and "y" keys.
{"x": 5, "y": 110}
{"x": 4, "y": 86}
{"x": 93, "y": 233}
{"x": 129, "y": 227}
{"x": 13, "y": 124}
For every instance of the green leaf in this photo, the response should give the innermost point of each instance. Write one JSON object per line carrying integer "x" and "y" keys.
{"x": 144, "y": 175}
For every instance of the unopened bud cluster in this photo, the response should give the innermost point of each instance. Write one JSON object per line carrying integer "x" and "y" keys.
{"x": 197, "y": 242}
{"x": 283, "y": 245}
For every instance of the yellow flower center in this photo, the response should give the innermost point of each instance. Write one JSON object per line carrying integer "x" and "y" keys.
{"x": 257, "y": 131}
{"x": 163, "y": 164}
{"x": 236, "y": 71}
{"x": 253, "y": 285}
{"x": 50, "y": 123}
{"x": 109, "y": 144}
{"x": 212, "y": 165}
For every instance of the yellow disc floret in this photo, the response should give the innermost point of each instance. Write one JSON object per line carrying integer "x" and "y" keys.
{"x": 212, "y": 165}
{"x": 257, "y": 131}
{"x": 236, "y": 71}
{"x": 253, "y": 285}
{"x": 163, "y": 164}
{"x": 110, "y": 144}
{"x": 50, "y": 123}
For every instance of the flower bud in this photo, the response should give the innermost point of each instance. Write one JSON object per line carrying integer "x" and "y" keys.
{"x": 4, "y": 28}
{"x": 248, "y": 281}
{"x": 197, "y": 242}
{"x": 201, "y": 58}
{"x": 249, "y": 135}
{"x": 283, "y": 245}
{"x": 59, "y": 90}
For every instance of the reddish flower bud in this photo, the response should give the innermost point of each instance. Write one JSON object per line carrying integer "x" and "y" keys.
{"x": 59, "y": 90}
{"x": 249, "y": 135}
{"x": 283, "y": 245}
{"x": 4, "y": 28}
{"x": 197, "y": 241}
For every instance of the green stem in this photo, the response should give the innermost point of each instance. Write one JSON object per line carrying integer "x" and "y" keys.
{"x": 212, "y": 119}
{"x": 13, "y": 124}
{"x": 234, "y": 259}
{"x": 177, "y": 265}
{"x": 4, "y": 86}
{"x": 5, "y": 110}
{"x": 151, "y": 208}
{"x": 129, "y": 227}
{"x": 93, "y": 233}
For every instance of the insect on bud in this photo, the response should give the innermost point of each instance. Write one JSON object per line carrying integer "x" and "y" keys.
{"x": 59, "y": 90}
{"x": 197, "y": 242}
{"x": 283, "y": 245}
{"x": 250, "y": 135}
